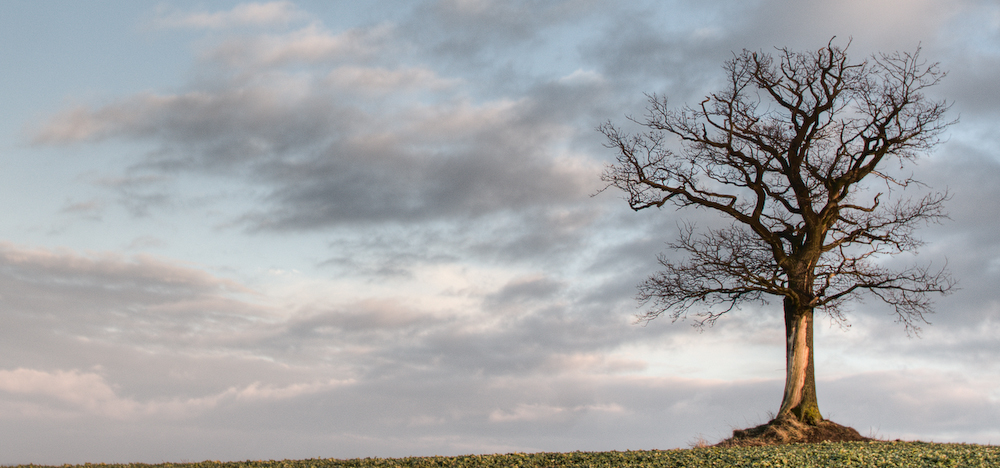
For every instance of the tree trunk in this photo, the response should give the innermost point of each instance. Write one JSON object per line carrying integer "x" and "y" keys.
{"x": 799, "y": 400}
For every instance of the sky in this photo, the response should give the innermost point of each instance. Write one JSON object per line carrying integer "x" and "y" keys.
{"x": 310, "y": 229}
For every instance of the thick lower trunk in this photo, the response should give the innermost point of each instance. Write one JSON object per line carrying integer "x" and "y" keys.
{"x": 799, "y": 400}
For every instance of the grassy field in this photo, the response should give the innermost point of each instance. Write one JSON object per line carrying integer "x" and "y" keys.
{"x": 860, "y": 454}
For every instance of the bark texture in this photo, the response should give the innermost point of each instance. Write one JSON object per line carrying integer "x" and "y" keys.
{"x": 799, "y": 398}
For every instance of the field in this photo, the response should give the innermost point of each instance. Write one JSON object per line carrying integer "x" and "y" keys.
{"x": 860, "y": 454}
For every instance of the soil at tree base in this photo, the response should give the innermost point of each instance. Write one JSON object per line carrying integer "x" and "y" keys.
{"x": 790, "y": 431}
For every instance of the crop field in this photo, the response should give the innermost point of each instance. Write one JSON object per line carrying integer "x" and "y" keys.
{"x": 859, "y": 454}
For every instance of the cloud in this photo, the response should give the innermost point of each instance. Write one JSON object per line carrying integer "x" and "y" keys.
{"x": 73, "y": 393}
{"x": 139, "y": 302}
{"x": 446, "y": 416}
{"x": 86, "y": 391}
{"x": 918, "y": 404}
{"x": 383, "y": 81}
{"x": 309, "y": 45}
{"x": 203, "y": 118}
{"x": 102, "y": 302}
{"x": 890, "y": 25}
{"x": 466, "y": 29}
{"x": 245, "y": 14}
{"x": 967, "y": 241}
{"x": 328, "y": 158}
{"x": 550, "y": 376}
{"x": 107, "y": 269}
{"x": 525, "y": 289}
{"x": 536, "y": 412}
{"x": 257, "y": 391}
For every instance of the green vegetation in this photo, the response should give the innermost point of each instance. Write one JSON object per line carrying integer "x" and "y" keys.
{"x": 860, "y": 454}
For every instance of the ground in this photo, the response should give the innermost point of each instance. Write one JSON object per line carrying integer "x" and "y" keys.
{"x": 790, "y": 431}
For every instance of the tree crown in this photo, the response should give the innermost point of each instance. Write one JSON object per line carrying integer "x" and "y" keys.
{"x": 782, "y": 151}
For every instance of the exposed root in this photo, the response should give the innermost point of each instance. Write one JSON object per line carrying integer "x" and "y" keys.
{"x": 787, "y": 430}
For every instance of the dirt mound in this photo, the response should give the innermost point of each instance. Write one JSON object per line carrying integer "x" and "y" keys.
{"x": 790, "y": 431}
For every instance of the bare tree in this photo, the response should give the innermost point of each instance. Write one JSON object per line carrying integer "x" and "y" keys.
{"x": 782, "y": 151}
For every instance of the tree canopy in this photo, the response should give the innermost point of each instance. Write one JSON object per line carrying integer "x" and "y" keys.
{"x": 799, "y": 151}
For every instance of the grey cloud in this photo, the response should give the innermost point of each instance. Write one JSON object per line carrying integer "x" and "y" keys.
{"x": 550, "y": 238}
{"x": 529, "y": 325}
{"x": 539, "y": 238}
{"x": 886, "y": 26}
{"x": 524, "y": 289}
{"x": 391, "y": 250}
{"x": 327, "y": 163}
{"x": 320, "y": 161}
{"x": 113, "y": 318}
{"x": 452, "y": 417}
{"x": 121, "y": 306}
{"x": 138, "y": 301}
{"x": 367, "y": 316}
{"x": 467, "y": 30}
{"x": 435, "y": 416}
{"x": 539, "y": 379}
{"x": 968, "y": 241}
{"x": 110, "y": 270}
{"x": 641, "y": 56}
{"x": 350, "y": 183}
{"x": 969, "y": 84}
{"x": 954, "y": 34}
{"x": 966, "y": 48}
{"x": 144, "y": 304}
{"x": 204, "y": 129}
{"x": 896, "y": 405}
{"x": 649, "y": 50}
{"x": 525, "y": 339}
